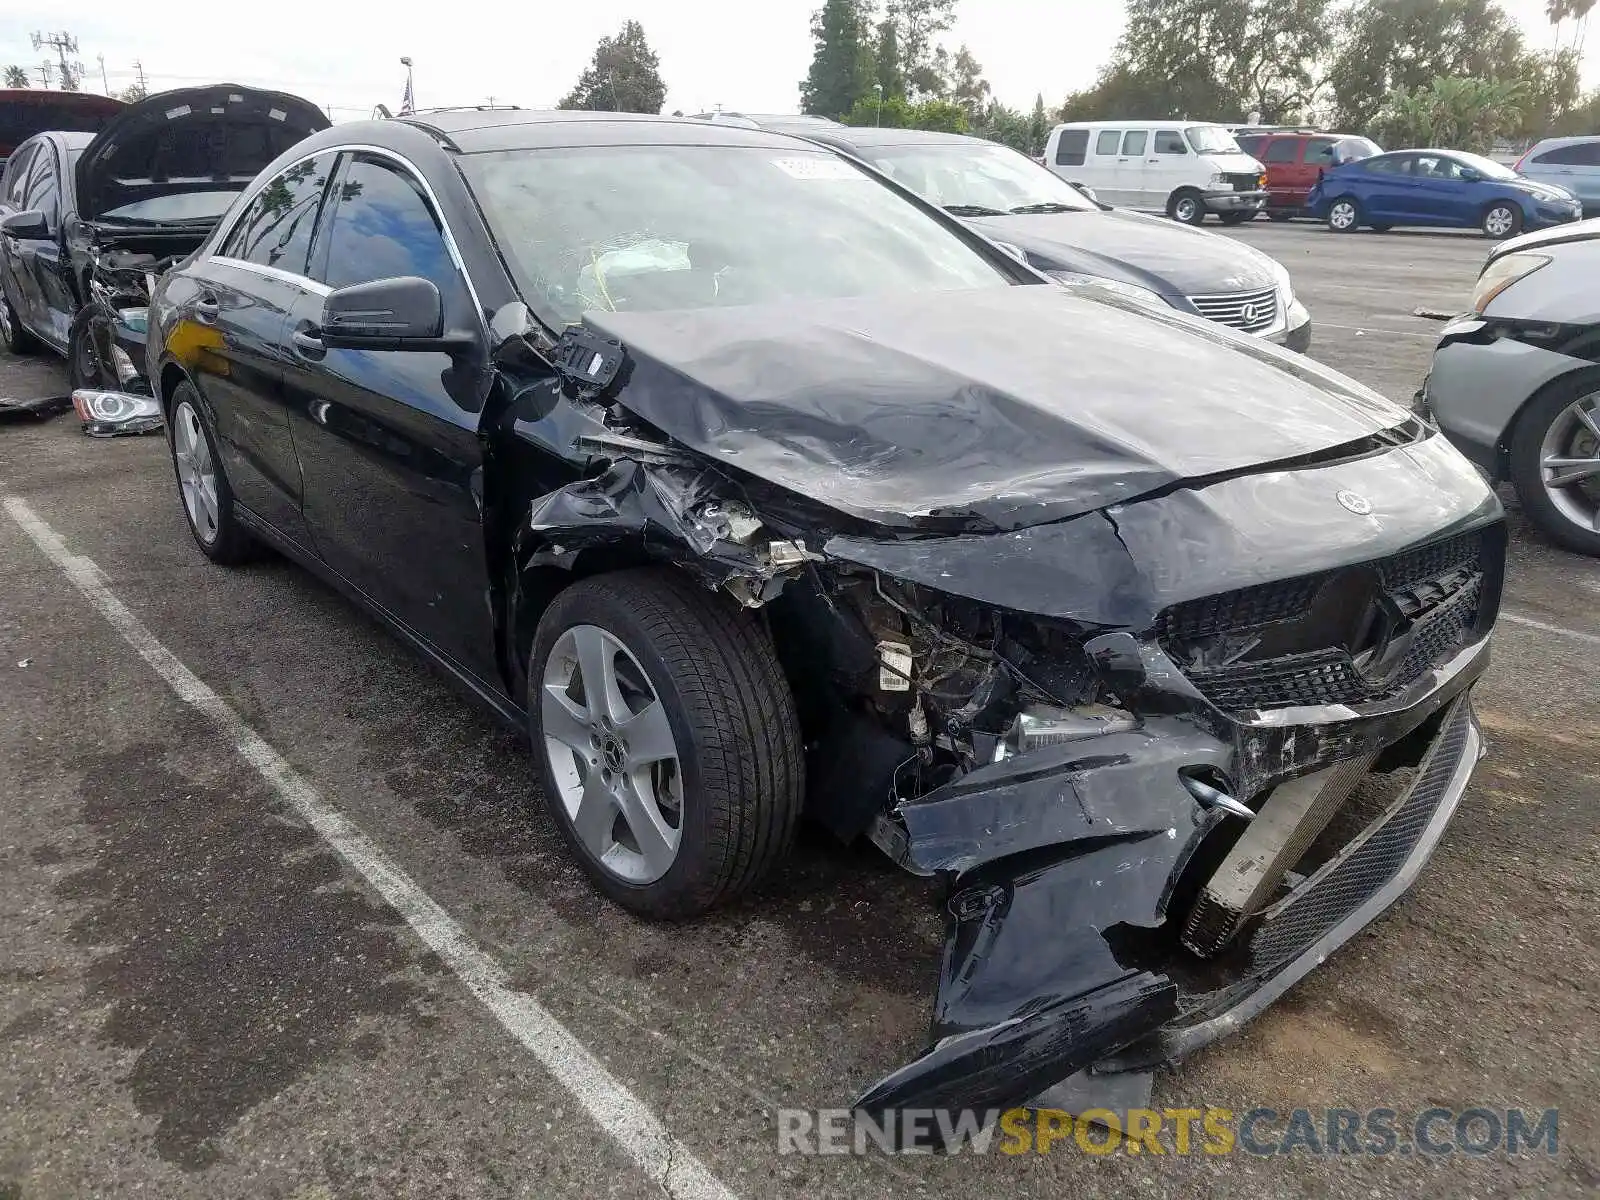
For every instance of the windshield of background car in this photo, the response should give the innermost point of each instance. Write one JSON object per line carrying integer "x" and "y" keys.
{"x": 1212, "y": 139}
{"x": 657, "y": 228}
{"x": 178, "y": 209}
{"x": 954, "y": 175}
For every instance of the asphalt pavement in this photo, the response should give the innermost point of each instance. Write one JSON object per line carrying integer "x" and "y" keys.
{"x": 279, "y": 918}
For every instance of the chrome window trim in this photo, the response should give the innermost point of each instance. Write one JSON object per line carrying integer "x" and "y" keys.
{"x": 406, "y": 165}
{"x": 304, "y": 282}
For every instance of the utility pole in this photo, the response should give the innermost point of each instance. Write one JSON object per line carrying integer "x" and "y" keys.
{"x": 62, "y": 43}
{"x": 44, "y": 73}
{"x": 105, "y": 83}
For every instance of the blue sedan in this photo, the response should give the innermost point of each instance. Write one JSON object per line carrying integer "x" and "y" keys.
{"x": 1447, "y": 188}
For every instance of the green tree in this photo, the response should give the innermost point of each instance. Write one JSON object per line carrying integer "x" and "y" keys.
{"x": 1038, "y": 126}
{"x": 1388, "y": 45}
{"x": 968, "y": 87}
{"x": 918, "y": 24}
{"x": 899, "y": 113}
{"x": 888, "y": 71}
{"x": 625, "y": 76}
{"x": 1560, "y": 12}
{"x": 16, "y": 77}
{"x": 1006, "y": 126}
{"x": 1451, "y": 113}
{"x": 133, "y": 93}
{"x": 841, "y": 65}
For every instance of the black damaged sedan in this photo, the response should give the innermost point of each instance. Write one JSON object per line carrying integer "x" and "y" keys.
{"x": 753, "y": 487}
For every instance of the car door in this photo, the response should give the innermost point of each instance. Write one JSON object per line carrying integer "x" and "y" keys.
{"x": 1104, "y": 150}
{"x": 13, "y": 188}
{"x": 388, "y": 439}
{"x": 52, "y": 298}
{"x": 1583, "y": 174}
{"x": 1383, "y": 186}
{"x": 235, "y": 306}
{"x": 1167, "y": 164}
{"x": 1441, "y": 195}
{"x": 1281, "y": 157}
{"x": 1316, "y": 156}
{"x": 1135, "y": 177}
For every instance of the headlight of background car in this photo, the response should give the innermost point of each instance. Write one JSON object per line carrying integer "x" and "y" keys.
{"x": 1501, "y": 274}
{"x": 1131, "y": 290}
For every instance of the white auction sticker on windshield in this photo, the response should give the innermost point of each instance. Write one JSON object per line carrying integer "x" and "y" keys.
{"x": 816, "y": 168}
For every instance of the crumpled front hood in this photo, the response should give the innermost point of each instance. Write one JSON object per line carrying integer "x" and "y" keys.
{"x": 993, "y": 409}
{"x": 1165, "y": 256}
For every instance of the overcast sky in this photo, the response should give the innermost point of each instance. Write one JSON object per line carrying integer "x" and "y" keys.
{"x": 741, "y": 54}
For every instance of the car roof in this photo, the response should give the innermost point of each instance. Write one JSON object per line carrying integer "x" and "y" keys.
{"x": 864, "y": 136}
{"x": 1568, "y": 140}
{"x": 474, "y": 131}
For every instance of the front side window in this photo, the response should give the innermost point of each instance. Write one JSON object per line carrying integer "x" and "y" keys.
{"x": 1072, "y": 148}
{"x": 383, "y": 227}
{"x": 1170, "y": 141}
{"x": 44, "y": 190}
{"x": 977, "y": 175}
{"x": 16, "y": 176}
{"x": 1283, "y": 150}
{"x": 1108, "y": 141}
{"x": 275, "y": 231}
{"x": 1319, "y": 150}
{"x": 716, "y": 226}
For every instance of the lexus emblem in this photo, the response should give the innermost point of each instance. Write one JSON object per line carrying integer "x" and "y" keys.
{"x": 1248, "y": 314}
{"x": 1356, "y": 503}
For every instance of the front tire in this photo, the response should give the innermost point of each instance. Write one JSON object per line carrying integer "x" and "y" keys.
{"x": 1186, "y": 205}
{"x": 1344, "y": 215}
{"x": 668, "y": 748}
{"x": 1555, "y": 464}
{"x": 1502, "y": 220}
{"x": 17, "y": 339}
{"x": 202, "y": 483}
{"x": 87, "y": 345}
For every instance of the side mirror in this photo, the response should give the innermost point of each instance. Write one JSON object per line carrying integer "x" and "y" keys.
{"x": 1087, "y": 192}
{"x": 404, "y": 313}
{"x": 1469, "y": 175}
{"x": 28, "y": 226}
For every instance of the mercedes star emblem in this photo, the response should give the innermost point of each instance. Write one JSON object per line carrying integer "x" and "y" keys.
{"x": 1356, "y": 503}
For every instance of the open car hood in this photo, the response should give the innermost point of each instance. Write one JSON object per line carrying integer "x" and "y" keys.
{"x": 983, "y": 410}
{"x": 205, "y": 139}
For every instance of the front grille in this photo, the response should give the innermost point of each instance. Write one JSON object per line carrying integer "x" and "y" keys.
{"x": 1243, "y": 181}
{"x": 1436, "y": 591}
{"x": 1289, "y": 927}
{"x": 1249, "y": 311}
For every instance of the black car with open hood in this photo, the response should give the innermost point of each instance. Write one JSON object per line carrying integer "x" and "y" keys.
{"x": 750, "y": 486}
{"x": 93, "y": 219}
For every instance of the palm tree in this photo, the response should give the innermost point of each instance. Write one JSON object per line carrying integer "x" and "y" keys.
{"x": 16, "y": 77}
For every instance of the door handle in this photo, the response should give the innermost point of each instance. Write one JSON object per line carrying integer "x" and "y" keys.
{"x": 308, "y": 343}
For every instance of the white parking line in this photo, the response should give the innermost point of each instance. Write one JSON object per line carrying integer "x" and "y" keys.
{"x": 623, "y": 1116}
{"x": 1518, "y": 619}
{"x": 1430, "y": 337}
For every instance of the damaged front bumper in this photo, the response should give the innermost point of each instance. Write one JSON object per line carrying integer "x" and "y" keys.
{"x": 1064, "y": 977}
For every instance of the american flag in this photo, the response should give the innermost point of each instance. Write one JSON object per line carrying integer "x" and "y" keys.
{"x": 408, "y": 103}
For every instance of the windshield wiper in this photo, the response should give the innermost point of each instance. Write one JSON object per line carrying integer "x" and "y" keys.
{"x": 1049, "y": 206}
{"x": 973, "y": 210}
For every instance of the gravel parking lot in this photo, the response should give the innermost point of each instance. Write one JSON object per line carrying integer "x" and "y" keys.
{"x": 200, "y": 997}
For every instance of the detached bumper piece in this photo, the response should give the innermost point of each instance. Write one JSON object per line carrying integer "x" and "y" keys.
{"x": 36, "y": 409}
{"x": 1070, "y": 970}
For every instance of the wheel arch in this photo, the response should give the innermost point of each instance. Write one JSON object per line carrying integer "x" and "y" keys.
{"x": 1513, "y": 425}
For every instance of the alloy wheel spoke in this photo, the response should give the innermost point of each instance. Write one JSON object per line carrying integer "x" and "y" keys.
{"x": 565, "y": 720}
{"x": 597, "y": 664}
{"x": 1566, "y": 472}
{"x": 648, "y": 736}
{"x": 657, "y": 841}
{"x": 1589, "y": 417}
{"x": 207, "y": 487}
{"x": 596, "y": 816}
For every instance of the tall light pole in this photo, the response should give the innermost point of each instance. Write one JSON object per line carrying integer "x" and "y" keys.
{"x": 878, "y": 87}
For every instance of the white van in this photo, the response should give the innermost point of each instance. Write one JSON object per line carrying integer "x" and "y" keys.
{"x": 1182, "y": 168}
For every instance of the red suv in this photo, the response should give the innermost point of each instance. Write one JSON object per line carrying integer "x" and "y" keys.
{"x": 1295, "y": 159}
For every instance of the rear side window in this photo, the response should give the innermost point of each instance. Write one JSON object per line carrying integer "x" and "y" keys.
{"x": 1072, "y": 148}
{"x": 1108, "y": 141}
{"x": 276, "y": 229}
{"x": 1283, "y": 150}
{"x": 384, "y": 227}
{"x": 1251, "y": 144}
{"x": 1579, "y": 154}
{"x": 1170, "y": 141}
{"x": 1134, "y": 142}
{"x": 1319, "y": 150}
{"x": 1386, "y": 166}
